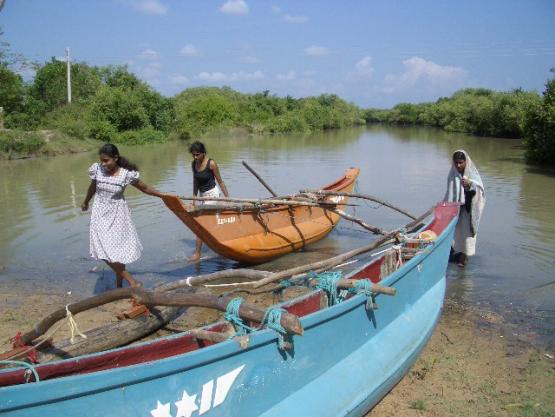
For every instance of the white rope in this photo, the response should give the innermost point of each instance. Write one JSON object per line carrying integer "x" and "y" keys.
{"x": 234, "y": 284}
{"x": 188, "y": 281}
{"x": 73, "y": 326}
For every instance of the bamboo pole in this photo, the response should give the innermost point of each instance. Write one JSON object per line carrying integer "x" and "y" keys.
{"x": 260, "y": 201}
{"x": 373, "y": 229}
{"x": 252, "y": 171}
{"x": 386, "y": 239}
{"x": 289, "y": 321}
{"x": 362, "y": 196}
{"x": 266, "y": 277}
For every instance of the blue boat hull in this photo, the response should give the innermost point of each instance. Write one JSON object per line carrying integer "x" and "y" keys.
{"x": 346, "y": 361}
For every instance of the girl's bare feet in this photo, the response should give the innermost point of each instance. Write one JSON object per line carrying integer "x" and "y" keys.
{"x": 462, "y": 260}
{"x": 194, "y": 258}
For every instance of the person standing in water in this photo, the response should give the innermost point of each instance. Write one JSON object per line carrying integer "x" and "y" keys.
{"x": 205, "y": 175}
{"x": 465, "y": 186}
{"x": 113, "y": 237}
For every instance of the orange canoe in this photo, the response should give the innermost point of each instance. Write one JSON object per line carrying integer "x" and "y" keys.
{"x": 254, "y": 235}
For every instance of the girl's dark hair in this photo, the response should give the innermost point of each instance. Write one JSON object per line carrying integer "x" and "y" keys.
{"x": 197, "y": 147}
{"x": 112, "y": 151}
{"x": 459, "y": 155}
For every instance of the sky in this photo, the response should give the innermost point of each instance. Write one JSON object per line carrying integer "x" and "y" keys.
{"x": 373, "y": 53}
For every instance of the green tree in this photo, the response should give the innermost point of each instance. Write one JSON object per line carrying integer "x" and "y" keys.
{"x": 540, "y": 129}
{"x": 122, "y": 108}
{"x": 50, "y": 83}
{"x": 12, "y": 90}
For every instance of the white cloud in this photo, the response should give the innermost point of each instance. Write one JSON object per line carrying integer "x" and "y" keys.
{"x": 288, "y": 76}
{"x": 220, "y": 77}
{"x": 238, "y": 7}
{"x": 418, "y": 70}
{"x": 364, "y": 67}
{"x": 149, "y": 55}
{"x": 147, "y": 6}
{"x": 316, "y": 50}
{"x": 189, "y": 50}
{"x": 295, "y": 19}
{"x": 178, "y": 79}
{"x": 276, "y": 9}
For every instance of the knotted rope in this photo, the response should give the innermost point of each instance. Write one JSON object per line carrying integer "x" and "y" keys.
{"x": 73, "y": 326}
{"x": 327, "y": 281}
{"x": 272, "y": 320}
{"x": 364, "y": 286}
{"x": 232, "y": 315}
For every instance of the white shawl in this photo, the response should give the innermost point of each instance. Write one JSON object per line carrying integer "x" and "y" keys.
{"x": 455, "y": 191}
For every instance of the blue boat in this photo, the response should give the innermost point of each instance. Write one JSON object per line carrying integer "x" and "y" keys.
{"x": 348, "y": 358}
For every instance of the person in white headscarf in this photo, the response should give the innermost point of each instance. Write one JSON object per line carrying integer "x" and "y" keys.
{"x": 465, "y": 186}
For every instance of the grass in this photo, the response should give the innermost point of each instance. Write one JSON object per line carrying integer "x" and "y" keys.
{"x": 417, "y": 405}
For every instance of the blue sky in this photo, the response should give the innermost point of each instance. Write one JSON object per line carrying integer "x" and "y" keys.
{"x": 373, "y": 53}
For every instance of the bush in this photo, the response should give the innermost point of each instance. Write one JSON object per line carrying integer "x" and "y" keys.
{"x": 288, "y": 123}
{"x": 121, "y": 108}
{"x": 101, "y": 130}
{"x": 20, "y": 142}
{"x": 140, "y": 137}
{"x": 540, "y": 129}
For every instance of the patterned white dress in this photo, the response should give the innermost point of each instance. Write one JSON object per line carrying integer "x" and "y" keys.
{"x": 113, "y": 236}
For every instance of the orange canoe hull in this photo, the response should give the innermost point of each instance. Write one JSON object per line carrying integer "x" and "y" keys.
{"x": 257, "y": 235}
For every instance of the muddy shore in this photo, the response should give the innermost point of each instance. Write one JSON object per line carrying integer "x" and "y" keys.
{"x": 469, "y": 367}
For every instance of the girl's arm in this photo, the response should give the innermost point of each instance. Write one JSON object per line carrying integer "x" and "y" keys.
{"x": 90, "y": 193}
{"x": 216, "y": 171}
{"x": 147, "y": 189}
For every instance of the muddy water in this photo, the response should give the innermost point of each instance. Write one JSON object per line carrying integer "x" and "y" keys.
{"x": 44, "y": 235}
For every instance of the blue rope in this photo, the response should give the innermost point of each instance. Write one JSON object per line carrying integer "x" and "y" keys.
{"x": 272, "y": 320}
{"x": 364, "y": 286}
{"x": 232, "y": 315}
{"x": 25, "y": 365}
{"x": 327, "y": 281}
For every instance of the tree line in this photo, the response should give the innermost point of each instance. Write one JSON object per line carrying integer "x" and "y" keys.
{"x": 112, "y": 104}
{"x": 484, "y": 112}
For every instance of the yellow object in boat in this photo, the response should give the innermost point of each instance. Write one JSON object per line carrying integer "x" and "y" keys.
{"x": 429, "y": 235}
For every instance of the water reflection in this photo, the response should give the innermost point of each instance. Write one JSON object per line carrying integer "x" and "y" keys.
{"x": 44, "y": 236}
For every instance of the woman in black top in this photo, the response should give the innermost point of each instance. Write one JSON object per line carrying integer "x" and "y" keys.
{"x": 205, "y": 175}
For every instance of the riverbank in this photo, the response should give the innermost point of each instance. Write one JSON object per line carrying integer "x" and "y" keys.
{"x": 468, "y": 368}
{"x": 16, "y": 144}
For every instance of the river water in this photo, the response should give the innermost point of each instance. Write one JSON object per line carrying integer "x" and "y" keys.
{"x": 44, "y": 235}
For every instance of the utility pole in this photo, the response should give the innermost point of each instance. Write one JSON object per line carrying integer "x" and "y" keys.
{"x": 68, "y": 76}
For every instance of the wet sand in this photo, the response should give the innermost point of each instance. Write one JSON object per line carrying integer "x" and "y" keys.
{"x": 469, "y": 367}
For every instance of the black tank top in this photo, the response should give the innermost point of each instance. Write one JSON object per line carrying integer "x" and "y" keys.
{"x": 205, "y": 179}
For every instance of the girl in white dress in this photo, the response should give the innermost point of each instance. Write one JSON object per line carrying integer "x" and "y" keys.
{"x": 465, "y": 186}
{"x": 113, "y": 237}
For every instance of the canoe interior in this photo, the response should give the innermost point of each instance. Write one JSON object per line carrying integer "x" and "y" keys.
{"x": 255, "y": 235}
{"x": 186, "y": 342}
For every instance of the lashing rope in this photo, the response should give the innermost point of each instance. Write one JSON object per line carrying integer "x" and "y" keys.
{"x": 232, "y": 315}
{"x": 327, "y": 281}
{"x": 29, "y": 367}
{"x": 364, "y": 286}
{"x": 271, "y": 319}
